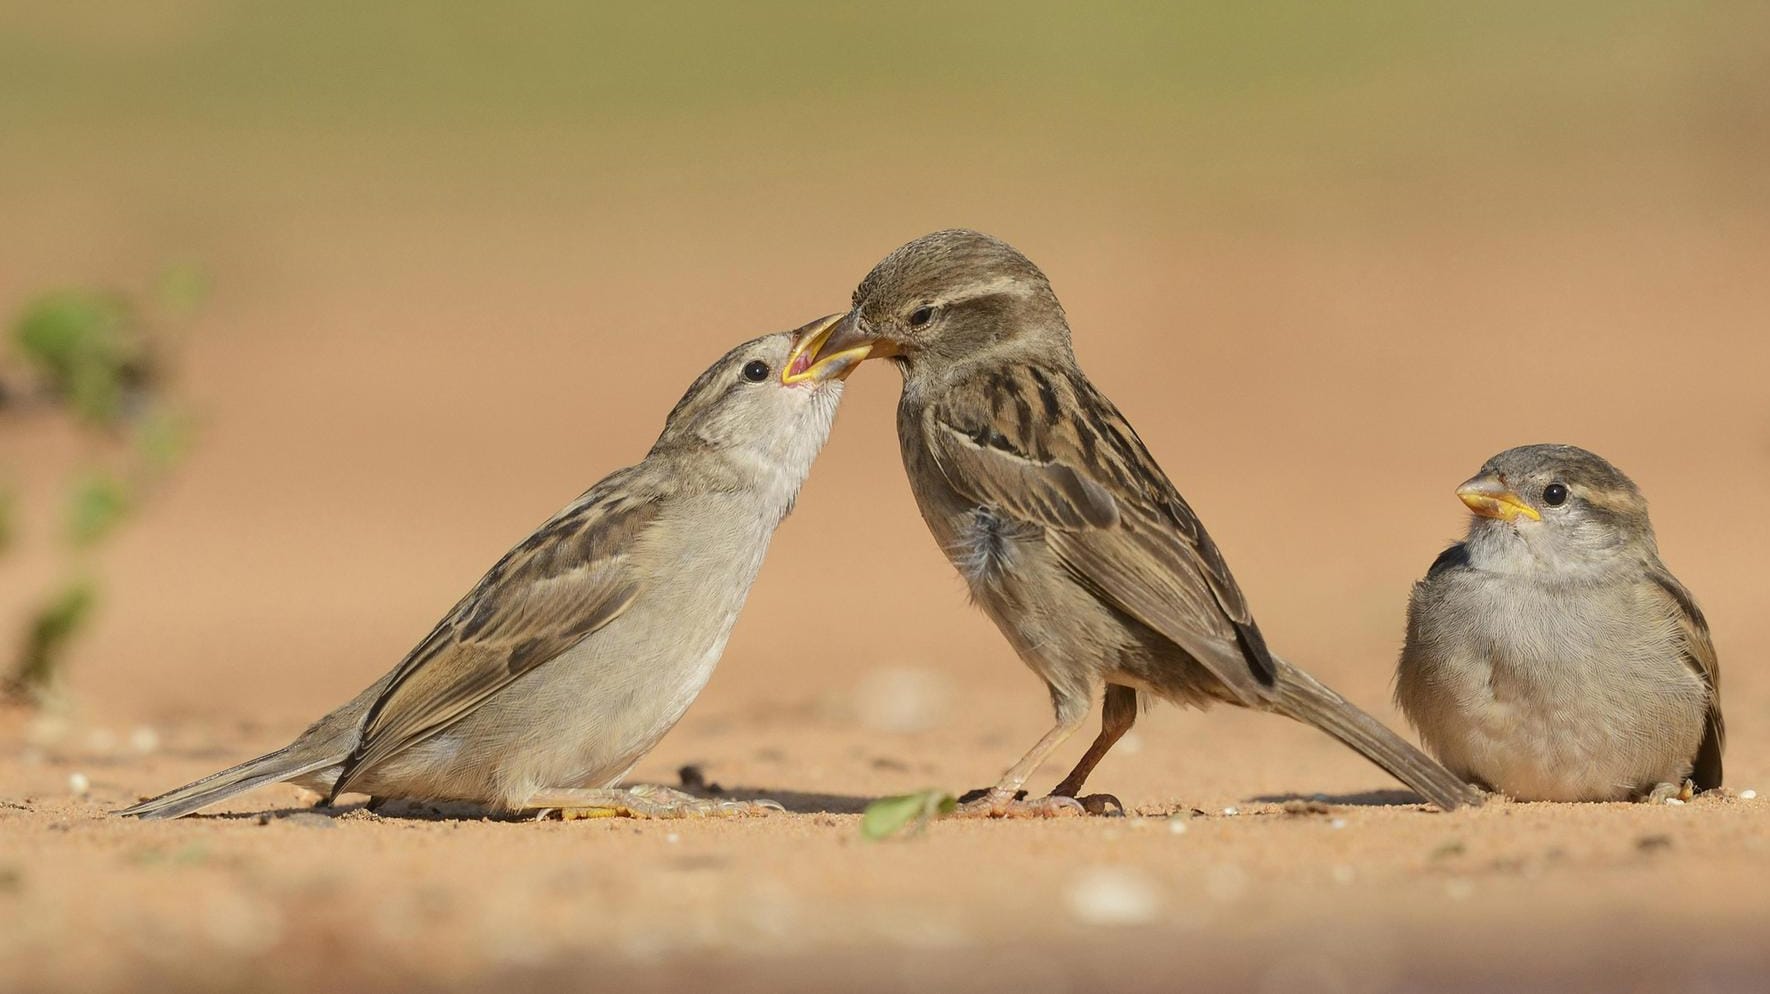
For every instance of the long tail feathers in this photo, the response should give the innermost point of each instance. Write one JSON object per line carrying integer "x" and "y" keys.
{"x": 283, "y": 764}
{"x": 1302, "y": 697}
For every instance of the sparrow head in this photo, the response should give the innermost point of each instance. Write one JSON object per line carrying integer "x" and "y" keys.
{"x": 951, "y": 296}
{"x": 1555, "y": 508}
{"x": 755, "y": 401}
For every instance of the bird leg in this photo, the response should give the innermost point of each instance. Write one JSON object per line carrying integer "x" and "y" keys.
{"x": 1005, "y": 800}
{"x": 643, "y": 801}
{"x": 1118, "y": 712}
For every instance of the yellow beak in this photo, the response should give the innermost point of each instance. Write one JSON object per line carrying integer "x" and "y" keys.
{"x": 806, "y": 364}
{"x": 1489, "y": 497}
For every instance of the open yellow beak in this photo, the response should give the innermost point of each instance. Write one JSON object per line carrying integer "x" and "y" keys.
{"x": 1489, "y": 497}
{"x": 807, "y": 364}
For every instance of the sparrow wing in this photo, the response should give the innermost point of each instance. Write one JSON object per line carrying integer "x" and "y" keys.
{"x": 1042, "y": 445}
{"x": 569, "y": 578}
{"x": 1699, "y": 655}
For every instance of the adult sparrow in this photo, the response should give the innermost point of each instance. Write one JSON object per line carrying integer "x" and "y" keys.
{"x": 1550, "y": 654}
{"x": 1068, "y": 534}
{"x": 574, "y": 655}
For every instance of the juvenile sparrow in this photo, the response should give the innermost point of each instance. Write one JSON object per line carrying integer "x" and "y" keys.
{"x": 1550, "y": 655}
{"x": 1067, "y": 532}
{"x": 575, "y": 654}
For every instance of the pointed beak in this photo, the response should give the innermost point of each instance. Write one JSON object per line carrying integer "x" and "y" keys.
{"x": 814, "y": 361}
{"x": 848, "y": 338}
{"x": 1489, "y": 497}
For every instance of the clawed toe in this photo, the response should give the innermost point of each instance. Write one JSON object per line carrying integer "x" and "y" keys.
{"x": 1102, "y": 805}
{"x": 994, "y": 805}
{"x": 1667, "y": 793}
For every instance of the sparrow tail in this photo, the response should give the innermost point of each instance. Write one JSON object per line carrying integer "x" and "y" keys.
{"x": 1302, "y": 697}
{"x": 286, "y": 763}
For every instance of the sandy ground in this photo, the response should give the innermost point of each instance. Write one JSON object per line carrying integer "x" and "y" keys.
{"x": 421, "y": 344}
{"x": 357, "y": 473}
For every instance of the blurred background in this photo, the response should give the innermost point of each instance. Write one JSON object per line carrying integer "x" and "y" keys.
{"x": 459, "y": 260}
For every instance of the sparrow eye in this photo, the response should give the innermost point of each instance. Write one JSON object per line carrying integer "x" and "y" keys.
{"x": 1554, "y": 495}
{"x": 921, "y": 316}
{"x": 755, "y": 370}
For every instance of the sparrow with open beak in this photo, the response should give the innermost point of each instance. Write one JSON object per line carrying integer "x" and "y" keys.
{"x": 1550, "y": 655}
{"x": 574, "y": 655}
{"x": 1069, "y": 535}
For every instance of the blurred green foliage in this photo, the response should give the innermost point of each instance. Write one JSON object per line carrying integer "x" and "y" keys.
{"x": 48, "y": 634}
{"x": 91, "y": 358}
{"x": 888, "y": 816}
{"x": 84, "y": 346}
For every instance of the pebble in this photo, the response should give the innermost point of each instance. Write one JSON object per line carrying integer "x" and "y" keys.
{"x": 79, "y": 783}
{"x": 1232, "y": 811}
{"x": 1337, "y": 823}
{"x": 902, "y": 699}
{"x": 1112, "y": 896}
{"x": 144, "y": 739}
{"x": 1343, "y": 873}
{"x": 1176, "y": 826}
{"x": 1748, "y": 795}
{"x": 1675, "y": 802}
{"x": 672, "y": 838}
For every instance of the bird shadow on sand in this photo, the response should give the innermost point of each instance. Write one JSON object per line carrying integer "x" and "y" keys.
{"x": 1362, "y": 799}
{"x": 795, "y": 802}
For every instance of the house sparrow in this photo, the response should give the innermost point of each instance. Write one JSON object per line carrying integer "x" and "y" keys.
{"x": 574, "y": 655}
{"x": 1550, "y": 655}
{"x": 1068, "y": 534}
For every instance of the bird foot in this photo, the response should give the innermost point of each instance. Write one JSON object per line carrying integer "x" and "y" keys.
{"x": 1663, "y": 793}
{"x": 1001, "y": 804}
{"x": 643, "y": 801}
{"x": 1102, "y": 805}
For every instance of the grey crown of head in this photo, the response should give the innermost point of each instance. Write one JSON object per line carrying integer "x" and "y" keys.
{"x": 1566, "y": 464}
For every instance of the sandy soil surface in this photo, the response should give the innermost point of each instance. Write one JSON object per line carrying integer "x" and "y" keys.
{"x": 421, "y": 344}
{"x": 359, "y": 471}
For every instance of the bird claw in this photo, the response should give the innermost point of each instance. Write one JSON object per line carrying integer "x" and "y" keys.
{"x": 1666, "y": 793}
{"x": 994, "y": 804}
{"x": 1102, "y": 805}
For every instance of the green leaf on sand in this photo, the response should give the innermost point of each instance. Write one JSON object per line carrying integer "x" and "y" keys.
{"x": 888, "y": 816}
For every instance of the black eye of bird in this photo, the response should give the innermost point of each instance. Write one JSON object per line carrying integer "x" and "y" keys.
{"x": 921, "y": 316}
{"x": 755, "y": 370}
{"x": 1554, "y": 495}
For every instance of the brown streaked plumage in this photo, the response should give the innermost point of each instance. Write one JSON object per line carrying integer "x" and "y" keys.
{"x": 1069, "y": 534}
{"x": 583, "y": 645}
{"x": 1551, "y": 655}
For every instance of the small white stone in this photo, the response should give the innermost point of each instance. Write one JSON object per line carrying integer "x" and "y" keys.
{"x": 1343, "y": 873}
{"x": 1232, "y": 811}
{"x": 1129, "y": 744}
{"x": 1748, "y": 795}
{"x": 902, "y": 699}
{"x": 1106, "y": 895}
{"x": 672, "y": 838}
{"x": 1337, "y": 823}
{"x": 79, "y": 784}
{"x": 1176, "y": 826}
{"x": 144, "y": 739}
{"x": 1674, "y": 802}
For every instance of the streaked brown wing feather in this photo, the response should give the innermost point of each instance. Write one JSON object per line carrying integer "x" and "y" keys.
{"x": 1072, "y": 464}
{"x": 569, "y": 578}
{"x": 1699, "y": 655}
